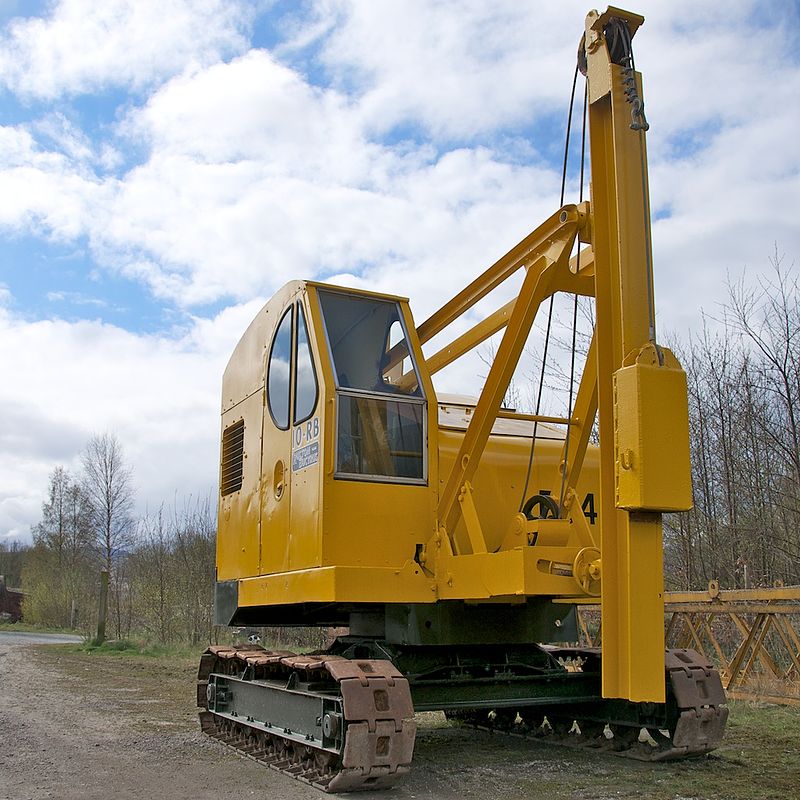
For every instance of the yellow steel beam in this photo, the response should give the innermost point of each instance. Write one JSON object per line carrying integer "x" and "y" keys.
{"x": 631, "y": 542}
{"x": 552, "y": 258}
{"x": 477, "y": 540}
{"x": 795, "y": 640}
{"x": 581, "y": 283}
{"x": 707, "y": 621}
{"x": 471, "y": 338}
{"x": 503, "y": 414}
{"x": 524, "y": 253}
{"x": 715, "y": 594}
{"x": 744, "y": 648}
{"x": 760, "y": 653}
{"x": 785, "y": 631}
{"x": 759, "y": 649}
{"x": 730, "y": 607}
{"x": 583, "y": 414}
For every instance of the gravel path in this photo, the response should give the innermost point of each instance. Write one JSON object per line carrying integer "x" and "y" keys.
{"x": 68, "y": 743}
{"x": 75, "y": 726}
{"x": 9, "y": 638}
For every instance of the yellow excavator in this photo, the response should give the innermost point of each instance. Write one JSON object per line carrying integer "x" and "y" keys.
{"x": 453, "y": 538}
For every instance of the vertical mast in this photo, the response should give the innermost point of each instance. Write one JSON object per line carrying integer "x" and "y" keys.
{"x": 641, "y": 388}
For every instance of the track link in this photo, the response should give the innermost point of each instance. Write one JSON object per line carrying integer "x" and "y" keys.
{"x": 368, "y": 746}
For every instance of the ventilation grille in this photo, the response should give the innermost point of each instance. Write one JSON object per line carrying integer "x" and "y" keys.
{"x": 232, "y": 458}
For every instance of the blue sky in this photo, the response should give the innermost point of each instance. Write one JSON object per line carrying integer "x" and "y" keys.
{"x": 166, "y": 166}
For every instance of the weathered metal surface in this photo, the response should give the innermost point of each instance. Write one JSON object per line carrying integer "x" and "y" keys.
{"x": 691, "y": 724}
{"x": 10, "y": 602}
{"x": 337, "y": 724}
{"x": 515, "y": 687}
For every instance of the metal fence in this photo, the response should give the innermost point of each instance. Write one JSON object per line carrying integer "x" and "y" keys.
{"x": 751, "y": 635}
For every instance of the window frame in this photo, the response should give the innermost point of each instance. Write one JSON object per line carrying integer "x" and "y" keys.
{"x": 295, "y": 352}
{"x": 376, "y": 478}
{"x": 289, "y": 404}
{"x": 418, "y": 399}
{"x": 400, "y": 318}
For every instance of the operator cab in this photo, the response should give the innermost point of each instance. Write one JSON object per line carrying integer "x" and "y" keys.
{"x": 326, "y": 444}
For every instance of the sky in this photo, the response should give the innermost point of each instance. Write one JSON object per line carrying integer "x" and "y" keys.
{"x": 167, "y": 165}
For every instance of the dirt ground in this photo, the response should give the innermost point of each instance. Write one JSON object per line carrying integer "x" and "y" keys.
{"x": 77, "y": 725}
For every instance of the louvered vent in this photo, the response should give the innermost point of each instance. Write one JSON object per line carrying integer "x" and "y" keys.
{"x": 232, "y": 458}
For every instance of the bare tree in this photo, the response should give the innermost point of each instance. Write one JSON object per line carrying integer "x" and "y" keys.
{"x": 194, "y": 547}
{"x": 769, "y": 320}
{"x": 158, "y": 602}
{"x": 744, "y": 409}
{"x": 107, "y": 484}
{"x": 63, "y": 542}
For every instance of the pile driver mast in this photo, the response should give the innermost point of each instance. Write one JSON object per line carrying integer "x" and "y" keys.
{"x": 352, "y": 495}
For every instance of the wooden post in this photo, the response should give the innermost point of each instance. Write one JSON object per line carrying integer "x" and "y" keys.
{"x": 102, "y": 610}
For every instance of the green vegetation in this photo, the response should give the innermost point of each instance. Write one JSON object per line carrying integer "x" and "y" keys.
{"x": 32, "y": 627}
{"x": 134, "y": 648}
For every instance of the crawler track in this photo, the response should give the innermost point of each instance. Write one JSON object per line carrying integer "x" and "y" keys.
{"x": 365, "y": 740}
{"x": 695, "y": 723}
{"x": 359, "y": 733}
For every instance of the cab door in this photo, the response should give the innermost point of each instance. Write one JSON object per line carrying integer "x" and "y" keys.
{"x": 276, "y": 457}
{"x": 304, "y": 544}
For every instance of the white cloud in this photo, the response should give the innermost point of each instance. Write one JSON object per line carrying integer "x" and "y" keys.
{"x": 47, "y": 191}
{"x": 458, "y": 68}
{"x": 250, "y": 175}
{"x": 76, "y": 298}
{"x": 159, "y": 395}
{"x": 465, "y": 69}
{"x": 254, "y": 176}
{"x": 84, "y": 46}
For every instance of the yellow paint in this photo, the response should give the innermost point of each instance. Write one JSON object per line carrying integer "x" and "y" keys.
{"x": 405, "y": 584}
{"x": 299, "y": 533}
{"x": 651, "y": 427}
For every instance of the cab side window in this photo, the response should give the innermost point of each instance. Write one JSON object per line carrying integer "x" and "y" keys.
{"x": 305, "y": 393}
{"x": 279, "y": 372}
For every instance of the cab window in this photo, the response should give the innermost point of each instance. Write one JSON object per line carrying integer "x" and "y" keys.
{"x": 380, "y": 406}
{"x": 279, "y": 372}
{"x": 305, "y": 393}
{"x": 368, "y": 344}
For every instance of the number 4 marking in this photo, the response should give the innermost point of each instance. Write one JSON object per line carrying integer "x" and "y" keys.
{"x": 588, "y": 508}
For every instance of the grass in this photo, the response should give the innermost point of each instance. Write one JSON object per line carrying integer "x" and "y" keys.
{"x": 29, "y": 627}
{"x": 135, "y": 648}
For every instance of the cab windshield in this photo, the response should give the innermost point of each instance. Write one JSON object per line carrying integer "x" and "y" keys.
{"x": 368, "y": 344}
{"x": 380, "y": 404}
